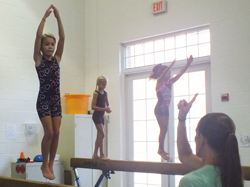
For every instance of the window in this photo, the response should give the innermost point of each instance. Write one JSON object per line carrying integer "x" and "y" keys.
{"x": 167, "y": 48}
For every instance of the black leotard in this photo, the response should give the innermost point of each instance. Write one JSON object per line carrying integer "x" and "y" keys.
{"x": 48, "y": 100}
{"x": 98, "y": 116}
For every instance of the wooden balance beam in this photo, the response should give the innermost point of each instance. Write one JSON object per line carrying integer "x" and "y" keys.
{"x": 108, "y": 166}
{"x": 130, "y": 166}
{"x": 14, "y": 182}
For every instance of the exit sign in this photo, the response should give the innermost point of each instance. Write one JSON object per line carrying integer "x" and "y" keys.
{"x": 159, "y": 7}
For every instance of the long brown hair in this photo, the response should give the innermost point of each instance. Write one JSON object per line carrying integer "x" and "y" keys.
{"x": 219, "y": 130}
{"x": 157, "y": 71}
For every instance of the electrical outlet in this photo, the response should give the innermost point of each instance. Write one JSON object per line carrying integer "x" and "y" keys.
{"x": 245, "y": 140}
{"x": 30, "y": 128}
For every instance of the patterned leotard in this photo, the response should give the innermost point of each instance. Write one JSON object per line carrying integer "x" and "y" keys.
{"x": 98, "y": 116}
{"x": 164, "y": 99}
{"x": 48, "y": 100}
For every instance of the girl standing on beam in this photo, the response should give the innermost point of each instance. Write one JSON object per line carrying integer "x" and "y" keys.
{"x": 100, "y": 105}
{"x": 162, "y": 74}
{"x": 48, "y": 100}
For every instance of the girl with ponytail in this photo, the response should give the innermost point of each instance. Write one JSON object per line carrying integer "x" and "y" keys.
{"x": 162, "y": 74}
{"x": 100, "y": 105}
{"x": 217, "y": 157}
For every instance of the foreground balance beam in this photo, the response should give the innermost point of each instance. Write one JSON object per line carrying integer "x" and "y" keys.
{"x": 14, "y": 182}
{"x": 130, "y": 166}
{"x": 136, "y": 166}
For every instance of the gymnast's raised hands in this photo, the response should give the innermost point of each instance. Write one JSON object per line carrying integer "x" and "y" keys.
{"x": 186, "y": 155}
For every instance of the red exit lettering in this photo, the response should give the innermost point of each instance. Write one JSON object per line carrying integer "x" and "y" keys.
{"x": 157, "y": 6}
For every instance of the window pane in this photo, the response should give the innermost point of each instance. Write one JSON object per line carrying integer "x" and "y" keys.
{"x": 175, "y": 129}
{"x": 159, "y": 57}
{"x": 140, "y": 110}
{"x": 159, "y": 45}
{"x": 204, "y": 36}
{"x": 204, "y": 49}
{"x": 153, "y": 130}
{"x": 169, "y": 43}
{"x": 152, "y": 152}
{"x": 181, "y": 86}
{"x": 140, "y": 130}
{"x": 154, "y": 185}
{"x": 177, "y": 180}
{"x": 193, "y": 146}
{"x": 197, "y": 82}
{"x": 192, "y": 38}
{"x": 150, "y": 108}
{"x": 181, "y": 54}
{"x": 140, "y": 178}
{"x": 199, "y": 106}
{"x": 192, "y": 50}
{"x": 140, "y": 185}
{"x": 150, "y": 85}
{"x": 140, "y": 153}
{"x": 130, "y": 51}
{"x": 169, "y": 55}
{"x": 138, "y": 49}
{"x": 176, "y": 152}
{"x": 154, "y": 179}
{"x": 180, "y": 41}
{"x": 193, "y": 125}
{"x": 188, "y": 131}
{"x": 149, "y": 59}
{"x": 130, "y": 62}
{"x": 149, "y": 47}
{"x": 139, "y": 89}
{"x": 139, "y": 61}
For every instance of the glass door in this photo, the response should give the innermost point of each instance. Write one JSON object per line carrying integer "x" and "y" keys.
{"x": 143, "y": 129}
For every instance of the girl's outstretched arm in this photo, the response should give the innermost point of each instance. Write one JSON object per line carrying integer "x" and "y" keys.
{"x": 183, "y": 70}
{"x": 60, "y": 44}
{"x": 37, "y": 54}
{"x": 162, "y": 77}
{"x": 185, "y": 153}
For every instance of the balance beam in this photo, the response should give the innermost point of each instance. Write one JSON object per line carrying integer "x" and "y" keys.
{"x": 14, "y": 182}
{"x": 138, "y": 166}
{"x": 130, "y": 166}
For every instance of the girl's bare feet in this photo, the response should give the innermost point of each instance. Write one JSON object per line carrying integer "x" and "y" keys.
{"x": 104, "y": 157}
{"x": 52, "y": 172}
{"x": 164, "y": 155}
{"x": 46, "y": 172}
{"x": 95, "y": 157}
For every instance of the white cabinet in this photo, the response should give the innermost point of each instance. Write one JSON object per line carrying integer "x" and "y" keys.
{"x": 32, "y": 171}
{"x": 77, "y": 138}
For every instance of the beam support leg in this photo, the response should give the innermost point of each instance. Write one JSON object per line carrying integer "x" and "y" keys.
{"x": 105, "y": 173}
{"x": 77, "y": 178}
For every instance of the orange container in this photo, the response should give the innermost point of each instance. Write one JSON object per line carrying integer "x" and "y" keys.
{"x": 77, "y": 103}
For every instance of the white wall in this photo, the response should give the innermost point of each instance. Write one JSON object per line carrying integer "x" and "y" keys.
{"x": 110, "y": 22}
{"x": 19, "y": 84}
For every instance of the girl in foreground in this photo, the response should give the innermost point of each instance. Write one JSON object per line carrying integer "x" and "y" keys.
{"x": 48, "y": 100}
